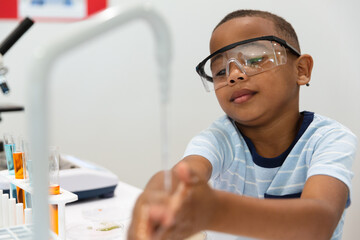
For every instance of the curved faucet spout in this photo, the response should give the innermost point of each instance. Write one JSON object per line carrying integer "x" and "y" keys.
{"x": 45, "y": 56}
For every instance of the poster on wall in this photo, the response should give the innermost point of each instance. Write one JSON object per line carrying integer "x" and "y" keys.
{"x": 52, "y": 10}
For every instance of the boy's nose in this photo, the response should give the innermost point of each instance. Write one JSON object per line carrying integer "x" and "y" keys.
{"x": 235, "y": 73}
{"x": 232, "y": 81}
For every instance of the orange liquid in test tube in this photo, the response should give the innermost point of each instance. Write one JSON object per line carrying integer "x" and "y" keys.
{"x": 54, "y": 213}
{"x": 20, "y": 196}
{"x": 54, "y": 189}
{"x": 19, "y": 174}
{"x": 54, "y": 218}
{"x": 18, "y": 165}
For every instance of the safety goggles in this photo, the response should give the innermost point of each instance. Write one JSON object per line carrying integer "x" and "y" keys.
{"x": 251, "y": 56}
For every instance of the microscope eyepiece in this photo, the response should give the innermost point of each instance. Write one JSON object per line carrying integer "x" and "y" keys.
{"x": 14, "y": 36}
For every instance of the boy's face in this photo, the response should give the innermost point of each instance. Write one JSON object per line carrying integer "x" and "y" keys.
{"x": 255, "y": 100}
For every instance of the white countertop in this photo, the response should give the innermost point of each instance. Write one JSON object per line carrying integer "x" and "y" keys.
{"x": 81, "y": 216}
{"x": 116, "y": 209}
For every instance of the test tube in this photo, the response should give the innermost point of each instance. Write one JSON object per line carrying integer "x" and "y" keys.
{"x": 5, "y": 209}
{"x": 19, "y": 214}
{"x": 9, "y": 146}
{"x": 27, "y": 169}
{"x": 12, "y": 212}
{"x": 26, "y": 155}
{"x": 28, "y": 215}
{"x": 54, "y": 159}
{"x": 18, "y": 157}
{"x": 54, "y": 187}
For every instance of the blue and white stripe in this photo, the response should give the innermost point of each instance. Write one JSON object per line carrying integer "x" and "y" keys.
{"x": 326, "y": 148}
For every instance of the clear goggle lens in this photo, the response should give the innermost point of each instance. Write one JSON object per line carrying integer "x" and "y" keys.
{"x": 250, "y": 58}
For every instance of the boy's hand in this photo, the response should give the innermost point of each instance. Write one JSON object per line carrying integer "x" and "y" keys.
{"x": 181, "y": 214}
{"x": 140, "y": 227}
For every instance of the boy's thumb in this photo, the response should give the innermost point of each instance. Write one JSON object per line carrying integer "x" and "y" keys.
{"x": 185, "y": 174}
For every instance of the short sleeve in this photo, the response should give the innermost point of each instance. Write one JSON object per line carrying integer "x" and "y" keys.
{"x": 214, "y": 144}
{"x": 333, "y": 155}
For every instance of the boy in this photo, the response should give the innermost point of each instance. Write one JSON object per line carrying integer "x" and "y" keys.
{"x": 276, "y": 173}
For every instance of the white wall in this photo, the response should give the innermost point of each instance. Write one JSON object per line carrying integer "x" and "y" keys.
{"x": 105, "y": 99}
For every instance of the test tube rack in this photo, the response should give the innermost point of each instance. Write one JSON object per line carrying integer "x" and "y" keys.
{"x": 60, "y": 200}
{"x": 21, "y": 232}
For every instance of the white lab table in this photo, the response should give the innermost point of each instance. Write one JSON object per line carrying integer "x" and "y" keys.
{"x": 120, "y": 206}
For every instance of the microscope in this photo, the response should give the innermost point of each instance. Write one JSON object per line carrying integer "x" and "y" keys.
{"x": 14, "y": 36}
{"x": 83, "y": 178}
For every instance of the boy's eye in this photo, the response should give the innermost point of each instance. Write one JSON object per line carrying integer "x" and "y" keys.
{"x": 220, "y": 73}
{"x": 254, "y": 61}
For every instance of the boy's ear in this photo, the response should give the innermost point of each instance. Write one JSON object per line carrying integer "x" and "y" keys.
{"x": 304, "y": 65}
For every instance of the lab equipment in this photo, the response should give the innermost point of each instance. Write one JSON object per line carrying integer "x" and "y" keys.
{"x": 54, "y": 218}
{"x": 12, "y": 224}
{"x": 28, "y": 215}
{"x": 54, "y": 161}
{"x": 5, "y": 210}
{"x": 3, "y": 163}
{"x": 18, "y": 157}
{"x": 59, "y": 200}
{"x": 86, "y": 179}
{"x": 18, "y": 162}
{"x": 7, "y": 44}
{"x": 3, "y": 71}
{"x": 16, "y": 211}
{"x": 83, "y": 178}
{"x": 8, "y": 211}
{"x": 27, "y": 170}
{"x": 9, "y": 146}
{"x": 10, "y": 108}
{"x": 12, "y": 212}
{"x": 20, "y": 213}
{"x": 42, "y": 61}
{"x": 251, "y": 56}
{"x": 26, "y": 157}
{"x": 4, "y": 47}
{"x": 54, "y": 187}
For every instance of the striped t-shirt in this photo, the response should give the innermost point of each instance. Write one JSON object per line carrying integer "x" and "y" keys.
{"x": 322, "y": 146}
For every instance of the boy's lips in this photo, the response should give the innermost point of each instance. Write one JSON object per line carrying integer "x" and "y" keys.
{"x": 242, "y": 95}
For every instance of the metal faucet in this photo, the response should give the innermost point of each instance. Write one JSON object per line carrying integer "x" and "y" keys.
{"x": 45, "y": 56}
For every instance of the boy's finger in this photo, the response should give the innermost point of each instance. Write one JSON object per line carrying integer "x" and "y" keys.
{"x": 175, "y": 204}
{"x": 156, "y": 213}
{"x": 142, "y": 229}
{"x": 185, "y": 174}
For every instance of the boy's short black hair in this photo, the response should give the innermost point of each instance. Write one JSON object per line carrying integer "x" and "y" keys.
{"x": 283, "y": 27}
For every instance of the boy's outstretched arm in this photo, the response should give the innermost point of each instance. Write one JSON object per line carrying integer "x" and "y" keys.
{"x": 313, "y": 216}
{"x": 194, "y": 207}
{"x": 154, "y": 197}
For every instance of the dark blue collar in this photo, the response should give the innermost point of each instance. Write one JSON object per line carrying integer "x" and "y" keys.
{"x": 279, "y": 160}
